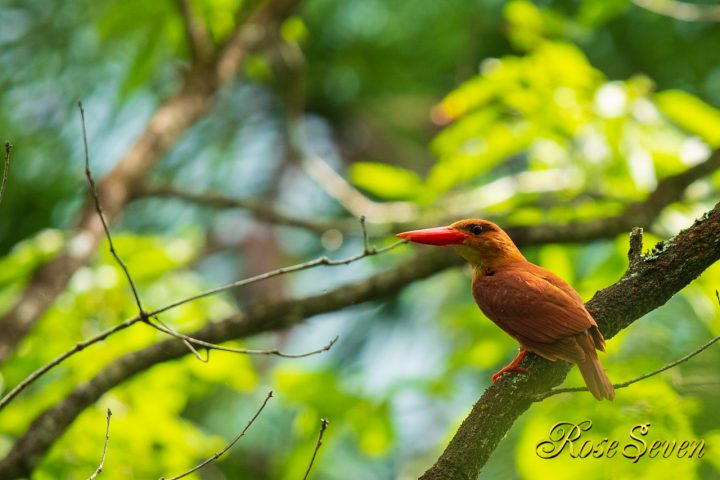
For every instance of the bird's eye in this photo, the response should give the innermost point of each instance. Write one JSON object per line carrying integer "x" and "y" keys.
{"x": 476, "y": 229}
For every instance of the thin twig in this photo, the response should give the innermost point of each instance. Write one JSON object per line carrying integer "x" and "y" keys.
{"x": 58, "y": 360}
{"x": 105, "y": 447}
{"x": 187, "y": 343}
{"x": 323, "y": 425}
{"x": 212, "y": 346}
{"x": 228, "y": 447}
{"x": 6, "y": 169}
{"x": 98, "y": 209}
{"x": 280, "y": 271}
{"x": 617, "y": 386}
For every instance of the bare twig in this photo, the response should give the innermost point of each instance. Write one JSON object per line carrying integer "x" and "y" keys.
{"x": 61, "y": 358}
{"x": 6, "y": 169}
{"x": 689, "y": 12}
{"x": 175, "y": 334}
{"x": 323, "y": 425}
{"x": 190, "y": 341}
{"x": 105, "y": 447}
{"x": 280, "y": 271}
{"x": 617, "y": 386}
{"x": 98, "y": 209}
{"x": 228, "y": 447}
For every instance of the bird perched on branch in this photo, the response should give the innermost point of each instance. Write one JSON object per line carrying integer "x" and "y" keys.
{"x": 532, "y": 304}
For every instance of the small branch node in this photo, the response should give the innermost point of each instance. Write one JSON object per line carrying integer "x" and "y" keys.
{"x": 323, "y": 426}
{"x": 636, "y": 243}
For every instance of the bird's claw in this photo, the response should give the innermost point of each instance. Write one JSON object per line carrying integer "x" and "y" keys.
{"x": 511, "y": 369}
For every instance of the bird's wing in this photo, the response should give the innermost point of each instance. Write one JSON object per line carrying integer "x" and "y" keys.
{"x": 534, "y": 306}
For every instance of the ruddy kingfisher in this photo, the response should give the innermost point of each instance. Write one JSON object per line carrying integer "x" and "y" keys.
{"x": 532, "y": 304}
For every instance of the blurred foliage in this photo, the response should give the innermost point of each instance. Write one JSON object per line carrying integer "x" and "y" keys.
{"x": 552, "y": 111}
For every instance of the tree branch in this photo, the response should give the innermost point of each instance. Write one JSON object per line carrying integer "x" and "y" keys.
{"x": 650, "y": 285}
{"x": 170, "y": 121}
{"x": 643, "y": 288}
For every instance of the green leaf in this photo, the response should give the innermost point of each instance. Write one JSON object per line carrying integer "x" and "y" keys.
{"x": 385, "y": 181}
{"x": 692, "y": 114}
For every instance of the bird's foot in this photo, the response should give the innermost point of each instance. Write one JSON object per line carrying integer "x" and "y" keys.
{"x": 508, "y": 369}
{"x": 512, "y": 366}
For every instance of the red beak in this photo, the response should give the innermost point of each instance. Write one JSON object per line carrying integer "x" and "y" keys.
{"x": 435, "y": 236}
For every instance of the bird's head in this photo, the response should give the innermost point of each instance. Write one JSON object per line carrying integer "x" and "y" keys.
{"x": 480, "y": 242}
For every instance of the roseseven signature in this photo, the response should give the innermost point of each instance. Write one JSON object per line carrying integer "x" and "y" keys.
{"x": 565, "y": 436}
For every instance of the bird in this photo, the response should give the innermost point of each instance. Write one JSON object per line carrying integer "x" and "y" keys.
{"x": 532, "y": 304}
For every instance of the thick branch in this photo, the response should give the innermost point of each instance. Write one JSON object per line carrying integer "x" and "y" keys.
{"x": 168, "y": 124}
{"x": 643, "y": 288}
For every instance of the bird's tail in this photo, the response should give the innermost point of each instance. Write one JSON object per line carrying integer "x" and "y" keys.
{"x": 595, "y": 377}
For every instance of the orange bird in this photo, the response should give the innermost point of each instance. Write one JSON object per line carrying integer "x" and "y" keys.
{"x": 532, "y": 304}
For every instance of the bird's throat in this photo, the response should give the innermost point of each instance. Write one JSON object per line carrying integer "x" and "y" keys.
{"x": 485, "y": 260}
